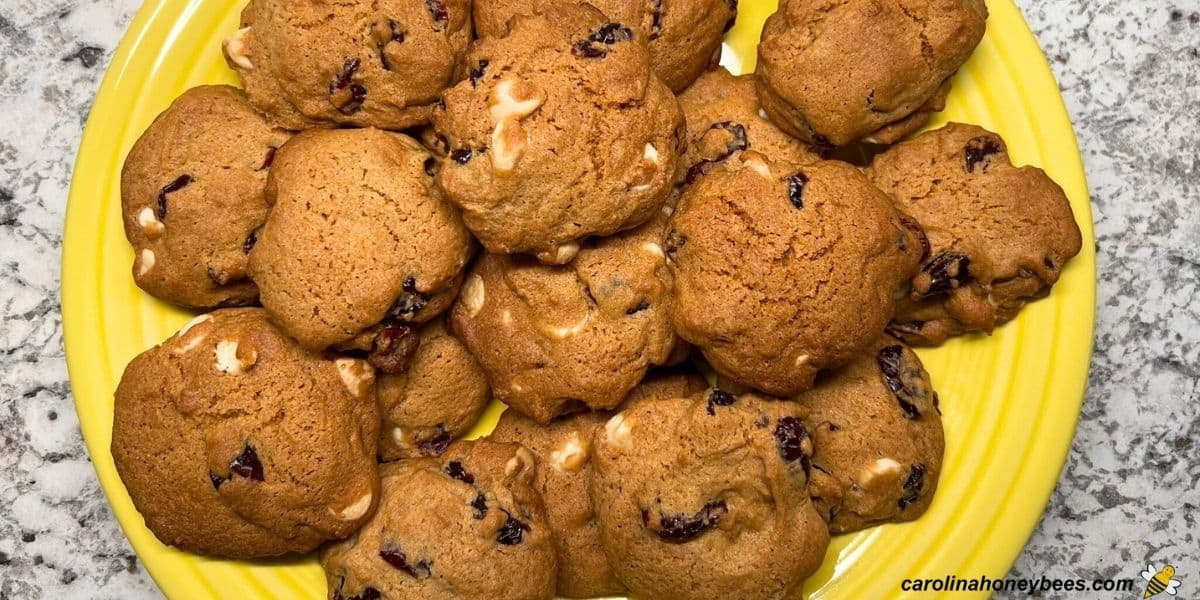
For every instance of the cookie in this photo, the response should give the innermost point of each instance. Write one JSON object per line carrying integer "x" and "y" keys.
{"x": 563, "y": 449}
{"x": 683, "y": 36}
{"x": 784, "y": 270}
{"x": 358, "y": 235}
{"x": 438, "y": 398}
{"x": 560, "y": 132}
{"x": 877, "y": 434}
{"x": 999, "y": 235}
{"x": 707, "y": 497}
{"x": 234, "y": 442}
{"x": 192, "y": 197}
{"x": 724, "y": 118}
{"x": 466, "y": 525}
{"x": 832, "y": 73}
{"x": 323, "y": 64}
{"x": 560, "y": 339}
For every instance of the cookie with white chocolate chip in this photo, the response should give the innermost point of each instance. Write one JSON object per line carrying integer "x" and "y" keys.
{"x": 359, "y": 246}
{"x": 560, "y": 339}
{"x": 235, "y": 442}
{"x": 560, "y": 132}
{"x": 367, "y": 64}
{"x": 999, "y": 234}
{"x": 681, "y": 485}
{"x": 436, "y": 399}
{"x": 466, "y": 525}
{"x": 192, "y": 197}
{"x": 878, "y": 436}
{"x": 683, "y": 36}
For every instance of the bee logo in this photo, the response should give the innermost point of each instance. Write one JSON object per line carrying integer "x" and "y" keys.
{"x": 1159, "y": 581}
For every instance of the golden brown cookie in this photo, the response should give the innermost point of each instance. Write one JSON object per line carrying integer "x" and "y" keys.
{"x": 560, "y": 339}
{"x": 999, "y": 235}
{"x": 560, "y": 132}
{"x": 784, "y": 270}
{"x": 563, "y": 449}
{"x": 233, "y": 441}
{"x": 466, "y": 525}
{"x": 321, "y": 64}
{"x": 707, "y": 497}
{"x": 877, "y": 433}
{"x": 724, "y": 119}
{"x": 438, "y": 398}
{"x": 192, "y": 197}
{"x": 835, "y": 72}
{"x": 358, "y": 235}
{"x": 683, "y": 36}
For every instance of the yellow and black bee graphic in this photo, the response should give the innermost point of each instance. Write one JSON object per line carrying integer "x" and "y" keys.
{"x": 1159, "y": 581}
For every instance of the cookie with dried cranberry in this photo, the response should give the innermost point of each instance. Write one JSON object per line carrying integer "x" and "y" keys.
{"x": 235, "y": 442}
{"x": 680, "y": 485}
{"x": 466, "y": 525}
{"x": 724, "y": 118}
{"x": 366, "y": 64}
{"x": 560, "y": 132}
{"x": 683, "y": 36}
{"x": 870, "y": 70}
{"x": 783, "y": 270}
{"x": 560, "y": 339}
{"x": 192, "y": 197}
{"x": 999, "y": 235}
{"x": 358, "y": 236}
{"x": 436, "y": 399}
{"x": 878, "y": 440}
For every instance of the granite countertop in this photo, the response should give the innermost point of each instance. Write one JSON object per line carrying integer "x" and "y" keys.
{"x": 1130, "y": 72}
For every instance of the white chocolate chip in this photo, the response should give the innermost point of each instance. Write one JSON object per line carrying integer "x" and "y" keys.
{"x": 668, "y": 210}
{"x": 145, "y": 261}
{"x": 508, "y": 144}
{"x": 759, "y": 166}
{"x": 506, "y": 317}
{"x": 563, "y": 332}
{"x": 194, "y": 340}
{"x": 619, "y": 432}
{"x": 473, "y": 294}
{"x": 561, "y": 255}
{"x": 400, "y": 437}
{"x": 516, "y": 387}
{"x": 356, "y": 375}
{"x": 762, "y": 114}
{"x": 870, "y": 139}
{"x": 649, "y": 166}
{"x": 196, "y": 320}
{"x": 650, "y": 153}
{"x": 802, "y": 359}
{"x": 521, "y": 464}
{"x": 880, "y": 468}
{"x": 571, "y": 455}
{"x": 228, "y": 360}
{"x": 150, "y": 223}
{"x": 654, "y": 249}
{"x": 355, "y": 510}
{"x": 234, "y": 48}
{"x": 513, "y": 99}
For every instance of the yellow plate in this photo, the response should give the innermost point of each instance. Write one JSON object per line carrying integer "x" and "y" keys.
{"x": 1010, "y": 400}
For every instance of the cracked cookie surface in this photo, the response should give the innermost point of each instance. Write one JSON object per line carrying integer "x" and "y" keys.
{"x": 560, "y": 132}
{"x": 322, "y": 64}
{"x": 192, "y": 197}
{"x": 999, "y": 235}
{"x": 901, "y": 53}
{"x": 783, "y": 270}
{"x": 235, "y": 442}
{"x": 466, "y": 525}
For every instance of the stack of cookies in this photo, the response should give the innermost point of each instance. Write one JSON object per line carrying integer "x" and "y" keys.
{"x": 418, "y": 207}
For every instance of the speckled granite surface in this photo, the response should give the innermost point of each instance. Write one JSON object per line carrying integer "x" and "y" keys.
{"x": 1130, "y": 72}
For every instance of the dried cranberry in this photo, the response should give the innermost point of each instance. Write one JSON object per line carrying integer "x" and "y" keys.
{"x": 430, "y": 166}
{"x": 913, "y": 485}
{"x": 395, "y": 557}
{"x": 698, "y": 170}
{"x": 796, "y": 183}
{"x": 674, "y": 242}
{"x": 456, "y": 471}
{"x": 177, "y": 184}
{"x": 437, "y": 444}
{"x": 719, "y": 397}
{"x": 607, "y": 34}
{"x": 478, "y": 71}
{"x": 980, "y": 150}
{"x": 790, "y": 435}
{"x": 480, "y": 506}
{"x": 684, "y": 528}
{"x": 643, "y": 305}
{"x": 216, "y": 480}
{"x": 913, "y": 226}
{"x": 343, "y": 78}
{"x": 655, "y": 19}
{"x": 512, "y": 532}
{"x": 218, "y": 278}
{"x": 393, "y": 347}
{"x": 437, "y": 10}
{"x": 268, "y": 159}
{"x": 891, "y": 365}
{"x": 385, "y": 32}
{"x": 346, "y": 95}
{"x": 762, "y": 421}
{"x": 247, "y": 465}
{"x": 410, "y": 301}
{"x": 461, "y": 156}
{"x": 251, "y": 240}
{"x": 946, "y": 271}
